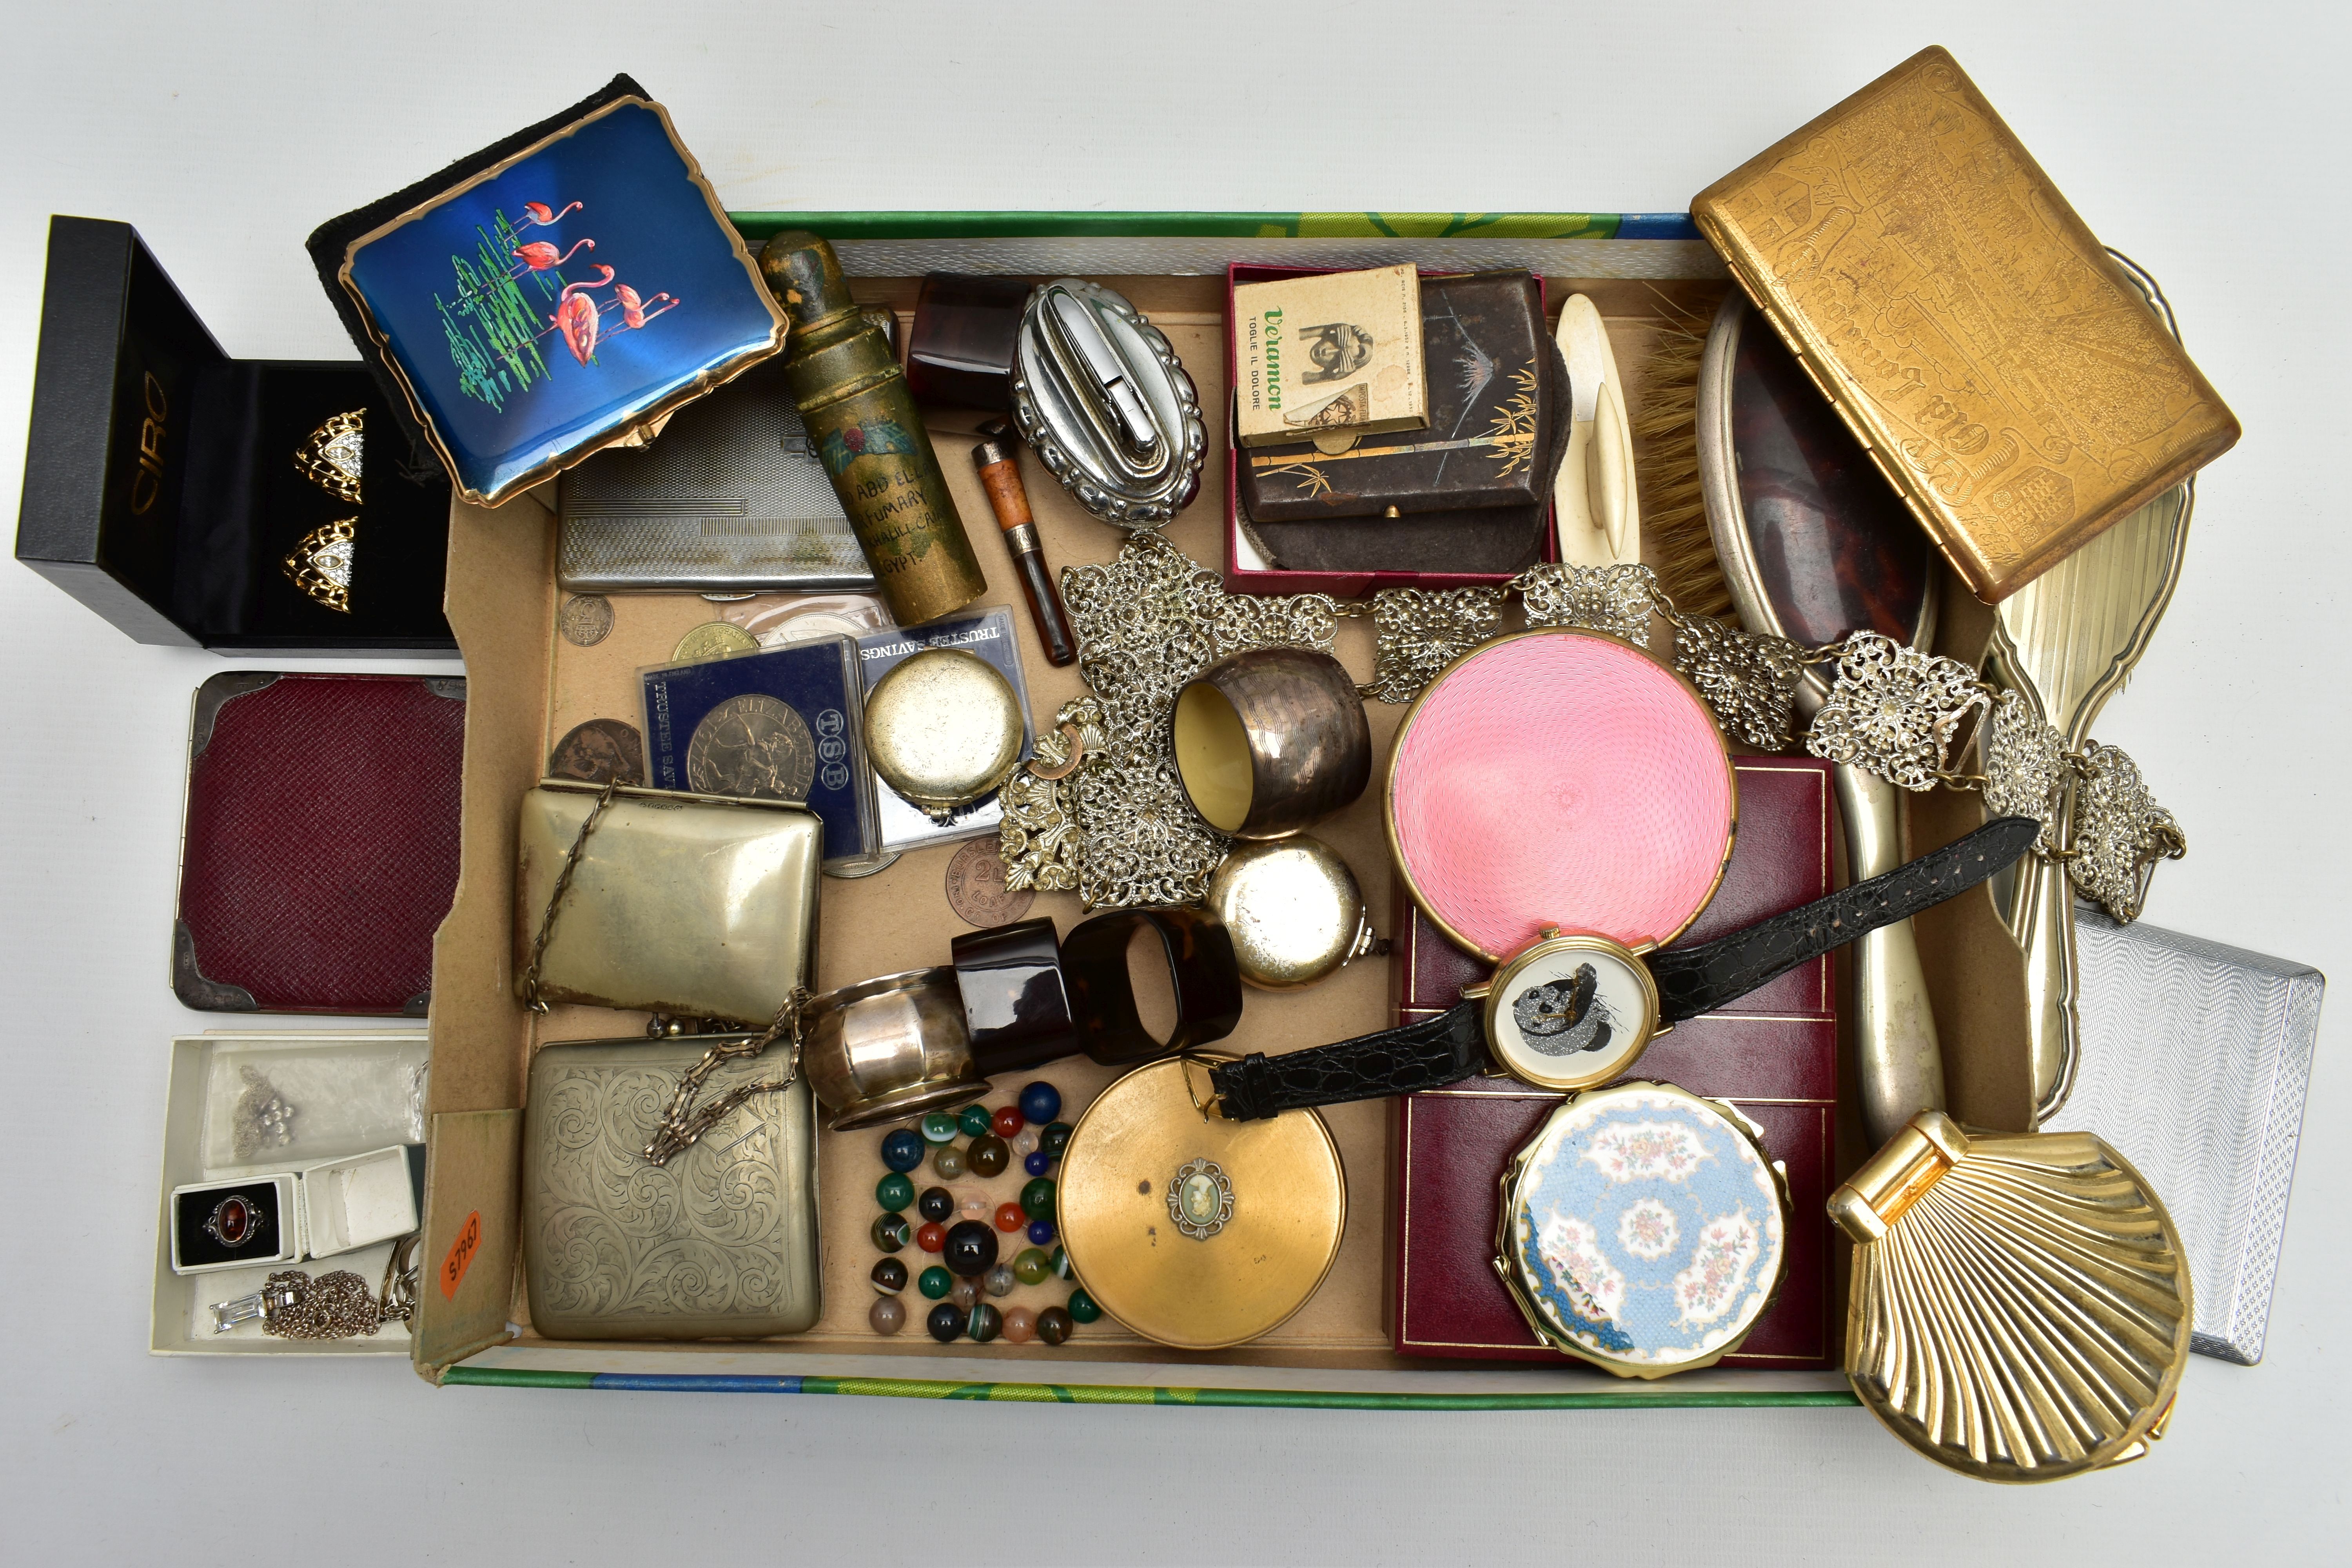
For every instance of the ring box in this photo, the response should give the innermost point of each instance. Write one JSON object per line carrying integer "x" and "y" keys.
{"x": 330, "y": 1209}
{"x": 273, "y": 1217}
{"x": 161, "y": 485}
{"x": 361, "y": 1199}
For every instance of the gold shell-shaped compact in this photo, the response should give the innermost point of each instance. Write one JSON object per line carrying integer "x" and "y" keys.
{"x": 2019, "y": 1309}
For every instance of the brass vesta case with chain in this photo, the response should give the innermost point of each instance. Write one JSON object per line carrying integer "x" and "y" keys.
{"x": 852, "y": 398}
{"x": 696, "y": 905}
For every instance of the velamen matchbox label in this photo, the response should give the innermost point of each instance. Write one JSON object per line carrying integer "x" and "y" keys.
{"x": 1334, "y": 354}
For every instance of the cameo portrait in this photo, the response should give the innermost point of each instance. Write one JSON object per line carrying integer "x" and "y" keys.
{"x": 1201, "y": 1198}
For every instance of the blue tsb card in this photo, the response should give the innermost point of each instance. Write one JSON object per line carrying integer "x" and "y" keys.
{"x": 778, "y": 725}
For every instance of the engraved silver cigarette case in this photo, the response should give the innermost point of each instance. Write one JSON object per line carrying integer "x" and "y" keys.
{"x": 720, "y": 1243}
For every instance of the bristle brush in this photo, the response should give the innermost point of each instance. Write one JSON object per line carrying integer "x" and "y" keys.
{"x": 1665, "y": 460}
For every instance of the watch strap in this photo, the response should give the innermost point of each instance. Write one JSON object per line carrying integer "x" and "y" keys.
{"x": 1427, "y": 1054}
{"x": 1694, "y": 980}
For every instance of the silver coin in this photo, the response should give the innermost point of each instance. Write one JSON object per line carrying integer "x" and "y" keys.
{"x": 752, "y": 745}
{"x": 586, "y": 620}
{"x": 856, "y": 869}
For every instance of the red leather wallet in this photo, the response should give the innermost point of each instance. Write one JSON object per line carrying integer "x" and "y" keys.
{"x": 1772, "y": 1054}
{"x": 320, "y": 845}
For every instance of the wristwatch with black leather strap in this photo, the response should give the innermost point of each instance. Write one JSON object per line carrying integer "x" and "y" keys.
{"x": 1572, "y": 1011}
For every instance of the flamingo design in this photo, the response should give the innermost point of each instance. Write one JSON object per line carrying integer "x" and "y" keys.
{"x": 575, "y": 316}
{"x": 540, "y": 216}
{"x": 633, "y": 310}
{"x": 540, "y": 255}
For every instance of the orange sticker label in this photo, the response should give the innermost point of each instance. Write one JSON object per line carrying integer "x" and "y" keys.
{"x": 461, "y": 1255}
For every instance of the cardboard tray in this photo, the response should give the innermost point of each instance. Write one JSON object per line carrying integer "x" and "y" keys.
{"x": 528, "y": 687}
{"x": 179, "y": 1322}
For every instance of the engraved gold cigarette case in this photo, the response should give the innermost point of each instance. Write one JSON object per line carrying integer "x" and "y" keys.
{"x": 1996, "y": 363}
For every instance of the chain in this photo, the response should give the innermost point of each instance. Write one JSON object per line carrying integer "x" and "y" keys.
{"x": 682, "y": 1125}
{"x": 338, "y": 1306}
{"x": 530, "y": 995}
{"x": 1119, "y": 827}
{"x": 396, "y": 1301}
{"x": 1420, "y": 631}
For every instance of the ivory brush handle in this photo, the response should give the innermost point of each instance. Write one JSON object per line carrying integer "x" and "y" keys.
{"x": 1901, "y": 1062}
{"x": 2043, "y": 925}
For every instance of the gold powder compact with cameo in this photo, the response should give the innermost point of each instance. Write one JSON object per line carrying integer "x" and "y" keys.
{"x": 1190, "y": 1229}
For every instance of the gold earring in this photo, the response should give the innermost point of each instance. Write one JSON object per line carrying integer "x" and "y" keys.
{"x": 321, "y": 565}
{"x": 331, "y": 455}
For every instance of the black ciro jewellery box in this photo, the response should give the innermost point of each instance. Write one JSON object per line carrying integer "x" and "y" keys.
{"x": 162, "y": 486}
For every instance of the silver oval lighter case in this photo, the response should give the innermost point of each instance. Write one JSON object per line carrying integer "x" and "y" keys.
{"x": 1102, "y": 398}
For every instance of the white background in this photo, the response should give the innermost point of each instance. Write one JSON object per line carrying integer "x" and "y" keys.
{"x": 2207, "y": 141}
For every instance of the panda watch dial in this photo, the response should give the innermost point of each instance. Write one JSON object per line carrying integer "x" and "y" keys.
{"x": 1571, "y": 1012}
{"x": 1560, "y": 1018}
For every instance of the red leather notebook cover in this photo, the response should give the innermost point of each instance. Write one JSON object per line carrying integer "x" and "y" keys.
{"x": 1773, "y": 1054}
{"x": 321, "y": 842}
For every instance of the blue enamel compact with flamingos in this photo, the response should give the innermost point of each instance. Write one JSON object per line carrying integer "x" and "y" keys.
{"x": 560, "y": 293}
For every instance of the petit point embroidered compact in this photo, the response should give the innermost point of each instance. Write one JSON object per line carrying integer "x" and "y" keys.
{"x": 1644, "y": 1230}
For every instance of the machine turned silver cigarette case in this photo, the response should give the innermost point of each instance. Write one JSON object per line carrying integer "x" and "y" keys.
{"x": 720, "y": 1243}
{"x": 731, "y": 499}
{"x": 2195, "y": 1061}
